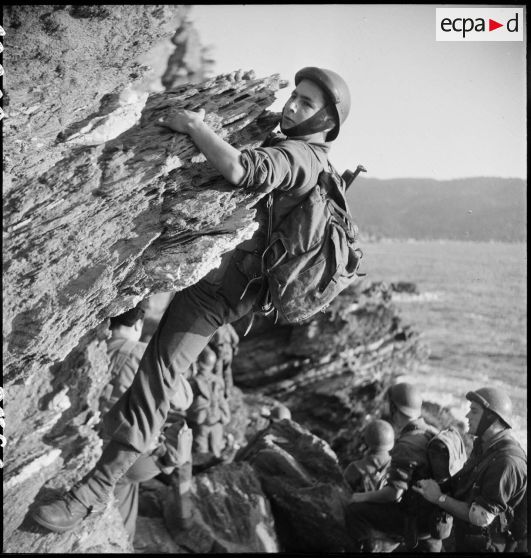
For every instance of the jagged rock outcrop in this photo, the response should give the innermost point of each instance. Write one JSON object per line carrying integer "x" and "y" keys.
{"x": 96, "y": 218}
{"x": 59, "y": 61}
{"x": 230, "y": 513}
{"x": 102, "y": 228}
{"x": 301, "y": 476}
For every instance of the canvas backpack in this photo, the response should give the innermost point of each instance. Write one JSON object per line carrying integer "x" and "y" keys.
{"x": 446, "y": 455}
{"x": 313, "y": 254}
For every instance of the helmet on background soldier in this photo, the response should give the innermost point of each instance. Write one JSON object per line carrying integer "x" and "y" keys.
{"x": 406, "y": 398}
{"x": 379, "y": 435}
{"x": 280, "y": 412}
{"x": 206, "y": 359}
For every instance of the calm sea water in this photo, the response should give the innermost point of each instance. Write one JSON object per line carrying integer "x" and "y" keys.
{"x": 471, "y": 312}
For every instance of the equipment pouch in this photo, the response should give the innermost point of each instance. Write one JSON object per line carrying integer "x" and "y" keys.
{"x": 410, "y": 532}
{"x": 440, "y": 524}
{"x": 476, "y": 543}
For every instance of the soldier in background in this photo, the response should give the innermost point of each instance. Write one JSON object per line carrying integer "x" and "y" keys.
{"x": 275, "y": 413}
{"x": 173, "y": 448}
{"x": 395, "y": 509}
{"x": 488, "y": 497}
{"x": 210, "y": 410}
{"x": 371, "y": 471}
{"x": 224, "y": 343}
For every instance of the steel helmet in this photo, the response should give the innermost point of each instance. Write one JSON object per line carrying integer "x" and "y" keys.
{"x": 406, "y": 398}
{"x": 379, "y": 435}
{"x": 496, "y": 401}
{"x": 280, "y": 412}
{"x": 207, "y": 358}
{"x": 335, "y": 89}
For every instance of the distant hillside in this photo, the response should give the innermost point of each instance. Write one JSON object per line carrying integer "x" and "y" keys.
{"x": 482, "y": 208}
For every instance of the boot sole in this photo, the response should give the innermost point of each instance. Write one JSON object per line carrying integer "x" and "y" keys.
{"x": 53, "y": 527}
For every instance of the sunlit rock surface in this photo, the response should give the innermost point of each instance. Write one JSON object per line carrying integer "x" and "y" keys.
{"x": 108, "y": 225}
{"x": 101, "y": 208}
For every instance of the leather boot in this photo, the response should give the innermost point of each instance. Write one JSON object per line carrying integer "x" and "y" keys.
{"x": 92, "y": 494}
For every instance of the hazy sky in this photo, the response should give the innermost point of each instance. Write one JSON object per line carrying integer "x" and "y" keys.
{"x": 420, "y": 108}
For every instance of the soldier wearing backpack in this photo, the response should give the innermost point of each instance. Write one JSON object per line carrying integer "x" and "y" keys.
{"x": 288, "y": 167}
{"x": 488, "y": 497}
{"x": 395, "y": 509}
{"x": 371, "y": 471}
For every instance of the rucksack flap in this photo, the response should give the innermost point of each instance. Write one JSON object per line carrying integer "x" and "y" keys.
{"x": 313, "y": 254}
{"x": 446, "y": 454}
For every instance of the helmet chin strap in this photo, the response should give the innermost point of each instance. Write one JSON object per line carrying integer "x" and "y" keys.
{"x": 486, "y": 420}
{"x": 318, "y": 122}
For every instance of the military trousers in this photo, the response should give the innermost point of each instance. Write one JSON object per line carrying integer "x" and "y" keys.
{"x": 190, "y": 320}
{"x": 363, "y": 518}
{"x": 208, "y": 438}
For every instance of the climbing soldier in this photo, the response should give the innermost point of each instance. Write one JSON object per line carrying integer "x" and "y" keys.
{"x": 287, "y": 166}
{"x": 488, "y": 497}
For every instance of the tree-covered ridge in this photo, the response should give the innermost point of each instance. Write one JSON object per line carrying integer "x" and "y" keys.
{"x": 478, "y": 209}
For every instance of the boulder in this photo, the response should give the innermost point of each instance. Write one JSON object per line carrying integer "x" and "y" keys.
{"x": 301, "y": 476}
{"x": 230, "y": 514}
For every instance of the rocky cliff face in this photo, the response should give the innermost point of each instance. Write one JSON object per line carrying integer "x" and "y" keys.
{"x": 102, "y": 208}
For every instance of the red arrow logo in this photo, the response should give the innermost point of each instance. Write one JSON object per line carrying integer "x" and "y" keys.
{"x": 493, "y": 24}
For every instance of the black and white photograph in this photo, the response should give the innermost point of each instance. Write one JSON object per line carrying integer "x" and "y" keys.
{"x": 264, "y": 278}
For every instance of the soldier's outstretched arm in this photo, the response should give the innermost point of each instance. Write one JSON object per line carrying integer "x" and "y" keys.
{"x": 219, "y": 153}
{"x": 384, "y": 495}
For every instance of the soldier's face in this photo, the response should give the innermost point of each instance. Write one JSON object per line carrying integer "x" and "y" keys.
{"x": 306, "y": 99}
{"x": 474, "y": 416}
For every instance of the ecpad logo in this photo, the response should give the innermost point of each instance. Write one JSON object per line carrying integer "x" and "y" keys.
{"x": 479, "y": 24}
